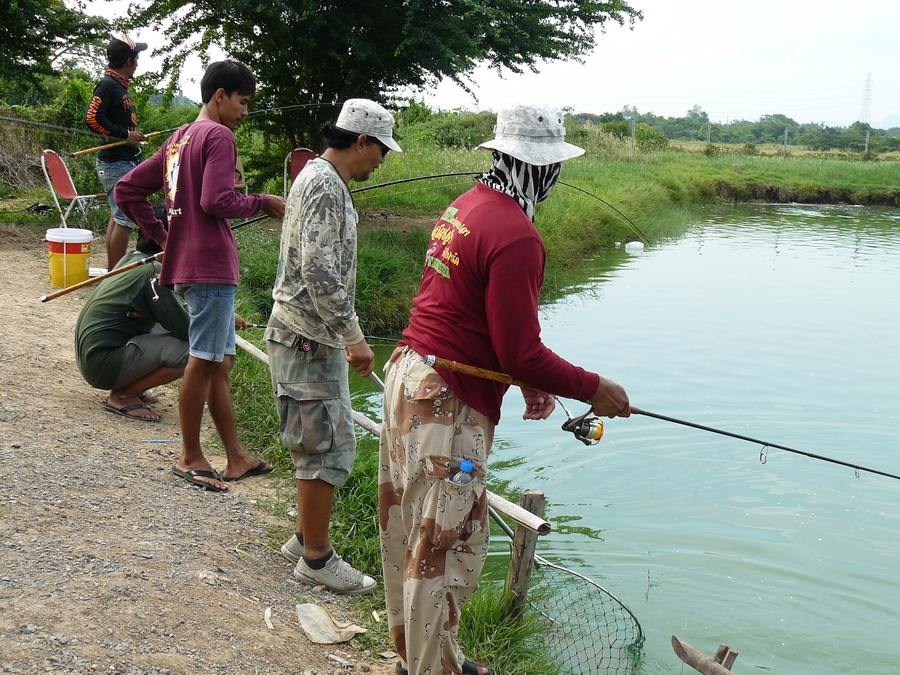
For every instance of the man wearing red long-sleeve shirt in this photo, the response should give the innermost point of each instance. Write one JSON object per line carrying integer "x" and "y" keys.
{"x": 478, "y": 304}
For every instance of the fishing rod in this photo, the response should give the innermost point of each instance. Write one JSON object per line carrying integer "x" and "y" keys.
{"x": 45, "y": 125}
{"x": 470, "y": 173}
{"x": 115, "y": 144}
{"x": 416, "y": 178}
{"x": 295, "y": 106}
{"x": 588, "y": 428}
{"x": 128, "y": 267}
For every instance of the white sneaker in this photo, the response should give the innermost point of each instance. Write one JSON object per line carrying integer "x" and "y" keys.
{"x": 336, "y": 576}
{"x": 292, "y": 549}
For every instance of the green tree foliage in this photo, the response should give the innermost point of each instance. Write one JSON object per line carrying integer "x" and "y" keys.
{"x": 318, "y": 52}
{"x": 649, "y": 139}
{"x": 419, "y": 125}
{"x": 618, "y": 128}
{"x": 34, "y": 34}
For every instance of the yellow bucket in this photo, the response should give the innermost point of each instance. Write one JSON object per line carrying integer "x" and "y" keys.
{"x": 69, "y": 249}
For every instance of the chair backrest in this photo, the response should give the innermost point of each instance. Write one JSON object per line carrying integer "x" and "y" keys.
{"x": 294, "y": 162}
{"x": 299, "y": 158}
{"x": 58, "y": 175}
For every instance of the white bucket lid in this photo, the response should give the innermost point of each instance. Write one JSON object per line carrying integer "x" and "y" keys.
{"x": 69, "y": 235}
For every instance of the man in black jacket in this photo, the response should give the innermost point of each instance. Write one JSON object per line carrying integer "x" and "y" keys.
{"x": 111, "y": 114}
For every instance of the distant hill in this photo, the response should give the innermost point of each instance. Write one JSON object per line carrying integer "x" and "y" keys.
{"x": 177, "y": 100}
{"x": 892, "y": 124}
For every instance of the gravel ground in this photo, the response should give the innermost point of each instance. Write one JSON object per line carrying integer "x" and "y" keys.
{"x": 109, "y": 563}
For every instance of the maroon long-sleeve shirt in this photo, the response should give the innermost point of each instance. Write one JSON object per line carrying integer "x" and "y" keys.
{"x": 478, "y": 303}
{"x": 195, "y": 168}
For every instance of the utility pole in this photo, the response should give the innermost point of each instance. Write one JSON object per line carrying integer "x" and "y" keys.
{"x": 867, "y": 142}
{"x": 785, "y": 141}
{"x": 708, "y": 131}
{"x": 633, "y": 133}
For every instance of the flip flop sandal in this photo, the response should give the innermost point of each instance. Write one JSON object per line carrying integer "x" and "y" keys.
{"x": 193, "y": 477}
{"x": 260, "y": 469}
{"x": 131, "y": 408}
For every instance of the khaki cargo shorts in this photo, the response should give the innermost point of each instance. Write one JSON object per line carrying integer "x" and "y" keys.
{"x": 312, "y": 395}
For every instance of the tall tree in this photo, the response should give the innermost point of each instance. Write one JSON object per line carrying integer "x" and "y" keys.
{"x": 321, "y": 51}
{"x": 34, "y": 34}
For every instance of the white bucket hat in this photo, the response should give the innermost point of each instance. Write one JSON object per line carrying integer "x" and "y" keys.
{"x": 534, "y": 134}
{"x": 362, "y": 116}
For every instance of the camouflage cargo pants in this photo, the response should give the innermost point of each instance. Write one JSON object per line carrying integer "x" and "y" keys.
{"x": 434, "y": 533}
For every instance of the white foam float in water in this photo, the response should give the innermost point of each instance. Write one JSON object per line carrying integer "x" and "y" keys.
{"x": 636, "y": 247}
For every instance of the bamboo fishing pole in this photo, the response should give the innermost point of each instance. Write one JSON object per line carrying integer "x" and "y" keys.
{"x": 483, "y": 373}
{"x": 116, "y": 144}
{"x": 130, "y": 266}
{"x": 98, "y": 279}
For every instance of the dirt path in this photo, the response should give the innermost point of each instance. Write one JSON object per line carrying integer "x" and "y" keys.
{"x": 101, "y": 547}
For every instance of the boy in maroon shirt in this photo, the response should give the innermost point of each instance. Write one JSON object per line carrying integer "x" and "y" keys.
{"x": 195, "y": 168}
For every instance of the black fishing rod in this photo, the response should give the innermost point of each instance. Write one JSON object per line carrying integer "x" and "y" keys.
{"x": 470, "y": 173}
{"x": 413, "y": 180}
{"x": 45, "y": 125}
{"x": 295, "y": 106}
{"x": 764, "y": 444}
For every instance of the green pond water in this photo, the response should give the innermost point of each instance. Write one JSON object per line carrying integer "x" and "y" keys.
{"x": 777, "y": 322}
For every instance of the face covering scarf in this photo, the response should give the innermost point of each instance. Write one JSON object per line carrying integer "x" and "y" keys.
{"x": 526, "y": 183}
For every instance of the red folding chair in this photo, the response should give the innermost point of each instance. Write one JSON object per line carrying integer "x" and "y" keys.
{"x": 59, "y": 180}
{"x": 294, "y": 162}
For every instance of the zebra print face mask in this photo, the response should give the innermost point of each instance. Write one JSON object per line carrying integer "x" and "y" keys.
{"x": 526, "y": 183}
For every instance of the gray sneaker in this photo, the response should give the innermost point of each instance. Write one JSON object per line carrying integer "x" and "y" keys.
{"x": 292, "y": 549}
{"x": 336, "y": 576}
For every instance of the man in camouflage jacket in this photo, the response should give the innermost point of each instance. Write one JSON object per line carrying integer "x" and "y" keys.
{"x": 314, "y": 333}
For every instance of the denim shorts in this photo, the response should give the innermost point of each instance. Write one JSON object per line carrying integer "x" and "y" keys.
{"x": 109, "y": 174}
{"x": 211, "y": 312}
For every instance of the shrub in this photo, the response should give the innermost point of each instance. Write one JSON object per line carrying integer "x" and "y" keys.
{"x": 649, "y": 139}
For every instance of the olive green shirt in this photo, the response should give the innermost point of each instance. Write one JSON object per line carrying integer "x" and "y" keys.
{"x": 123, "y": 307}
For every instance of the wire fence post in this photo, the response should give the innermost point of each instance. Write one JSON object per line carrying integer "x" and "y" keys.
{"x": 521, "y": 560}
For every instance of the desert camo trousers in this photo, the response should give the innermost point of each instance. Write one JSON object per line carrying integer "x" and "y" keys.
{"x": 434, "y": 533}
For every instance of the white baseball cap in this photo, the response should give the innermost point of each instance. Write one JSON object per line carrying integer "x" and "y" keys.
{"x": 534, "y": 134}
{"x": 362, "y": 116}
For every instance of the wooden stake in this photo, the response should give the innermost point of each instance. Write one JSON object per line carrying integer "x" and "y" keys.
{"x": 521, "y": 560}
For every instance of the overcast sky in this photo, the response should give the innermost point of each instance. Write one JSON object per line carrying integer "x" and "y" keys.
{"x": 737, "y": 59}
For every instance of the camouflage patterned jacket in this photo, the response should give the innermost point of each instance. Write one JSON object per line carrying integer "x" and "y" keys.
{"x": 315, "y": 285}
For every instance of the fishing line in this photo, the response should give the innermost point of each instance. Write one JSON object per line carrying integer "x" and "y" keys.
{"x": 764, "y": 444}
{"x": 603, "y": 201}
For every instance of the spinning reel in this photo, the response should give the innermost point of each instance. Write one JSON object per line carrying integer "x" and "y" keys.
{"x": 587, "y": 428}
